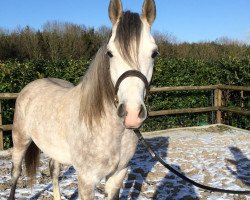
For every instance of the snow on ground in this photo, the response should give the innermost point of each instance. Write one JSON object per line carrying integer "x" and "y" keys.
{"x": 218, "y": 156}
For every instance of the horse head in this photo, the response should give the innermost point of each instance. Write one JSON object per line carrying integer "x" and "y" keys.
{"x": 131, "y": 50}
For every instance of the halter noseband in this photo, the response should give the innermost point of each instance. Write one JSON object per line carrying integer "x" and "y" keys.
{"x": 131, "y": 73}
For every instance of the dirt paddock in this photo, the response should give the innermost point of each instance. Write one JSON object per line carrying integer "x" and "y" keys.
{"x": 218, "y": 156}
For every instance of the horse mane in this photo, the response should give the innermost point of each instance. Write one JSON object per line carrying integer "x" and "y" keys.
{"x": 97, "y": 86}
{"x": 97, "y": 89}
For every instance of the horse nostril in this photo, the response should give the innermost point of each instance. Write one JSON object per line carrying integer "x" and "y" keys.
{"x": 143, "y": 112}
{"x": 121, "y": 112}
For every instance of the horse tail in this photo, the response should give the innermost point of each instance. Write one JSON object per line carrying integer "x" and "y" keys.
{"x": 31, "y": 161}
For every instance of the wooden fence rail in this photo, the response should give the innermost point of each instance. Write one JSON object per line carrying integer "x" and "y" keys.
{"x": 217, "y": 106}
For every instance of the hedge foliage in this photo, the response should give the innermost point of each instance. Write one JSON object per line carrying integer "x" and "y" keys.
{"x": 14, "y": 75}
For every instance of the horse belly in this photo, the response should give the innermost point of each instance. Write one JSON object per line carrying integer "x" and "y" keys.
{"x": 55, "y": 149}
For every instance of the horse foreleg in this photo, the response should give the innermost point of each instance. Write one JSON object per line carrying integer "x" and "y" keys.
{"x": 86, "y": 187}
{"x": 113, "y": 185}
{"x": 54, "y": 167}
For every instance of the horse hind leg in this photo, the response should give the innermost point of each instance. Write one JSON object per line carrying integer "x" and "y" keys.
{"x": 54, "y": 173}
{"x": 20, "y": 146}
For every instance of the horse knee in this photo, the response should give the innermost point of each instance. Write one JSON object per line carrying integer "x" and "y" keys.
{"x": 86, "y": 187}
{"x": 113, "y": 185}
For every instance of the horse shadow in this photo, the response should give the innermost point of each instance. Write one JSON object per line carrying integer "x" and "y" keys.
{"x": 146, "y": 176}
{"x": 241, "y": 164}
{"x": 38, "y": 194}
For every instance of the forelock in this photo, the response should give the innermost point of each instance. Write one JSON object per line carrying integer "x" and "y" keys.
{"x": 128, "y": 35}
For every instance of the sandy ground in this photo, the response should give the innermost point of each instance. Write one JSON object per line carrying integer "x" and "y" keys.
{"x": 218, "y": 156}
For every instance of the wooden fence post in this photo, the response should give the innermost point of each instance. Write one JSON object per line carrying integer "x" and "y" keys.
{"x": 218, "y": 104}
{"x": 242, "y": 103}
{"x": 1, "y": 132}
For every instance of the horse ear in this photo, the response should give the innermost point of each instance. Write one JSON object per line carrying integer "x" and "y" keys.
{"x": 115, "y": 10}
{"x": 149, "y": 11}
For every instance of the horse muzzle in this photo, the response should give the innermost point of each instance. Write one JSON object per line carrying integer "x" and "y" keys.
{"x": 133, "y": 117}
{"x": 133, "y": 114}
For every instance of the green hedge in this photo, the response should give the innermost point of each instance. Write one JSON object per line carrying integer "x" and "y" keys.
{"x": 181, "y": 72}
{"x": 14, "y": 75}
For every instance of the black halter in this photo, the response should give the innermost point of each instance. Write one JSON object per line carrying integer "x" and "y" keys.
{"x": 131, "y": 73}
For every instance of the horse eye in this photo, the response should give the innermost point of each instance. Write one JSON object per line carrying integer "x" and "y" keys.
{"x": 154, "y": 54}
{"x": 110, "y": 54}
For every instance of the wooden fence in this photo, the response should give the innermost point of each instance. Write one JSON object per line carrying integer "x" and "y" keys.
{"x": 217, "y": 106}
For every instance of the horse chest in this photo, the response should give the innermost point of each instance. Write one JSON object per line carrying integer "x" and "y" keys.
{"x": 98, "y": 151}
